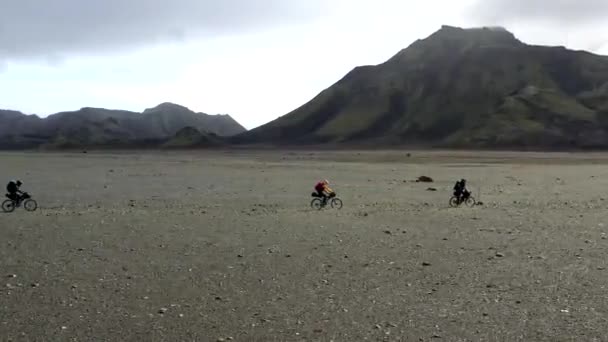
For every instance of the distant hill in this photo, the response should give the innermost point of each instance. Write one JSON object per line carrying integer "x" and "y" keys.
{"x": 108, "y": 128}
{"x": 190, "y": 137}
{"x": 472, "y": 88}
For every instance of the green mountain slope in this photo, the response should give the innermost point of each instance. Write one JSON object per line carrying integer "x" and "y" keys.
{"x": 477, "y": 87}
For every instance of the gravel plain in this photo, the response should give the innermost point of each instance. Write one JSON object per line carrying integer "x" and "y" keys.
{"x": 223, "y": 245}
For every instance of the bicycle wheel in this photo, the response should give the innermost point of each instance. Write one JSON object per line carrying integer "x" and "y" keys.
{"x": 8, "y": 206}
{"x": 470, "y": 202}
{"x": 336, "y": 203}
{"x": 454, "y": 202}
{"x": 30, "y": 205}
{"x": 316, "y": 203}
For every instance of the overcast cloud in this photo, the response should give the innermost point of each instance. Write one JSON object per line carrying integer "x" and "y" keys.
{"x": 554, "y": 12}
{"x": 52, "y": 28}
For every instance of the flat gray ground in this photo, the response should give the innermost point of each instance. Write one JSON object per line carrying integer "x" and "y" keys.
{"x": 226, "y": 245}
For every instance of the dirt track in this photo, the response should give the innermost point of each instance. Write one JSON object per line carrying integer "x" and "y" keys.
{"x": 226, "y": 246}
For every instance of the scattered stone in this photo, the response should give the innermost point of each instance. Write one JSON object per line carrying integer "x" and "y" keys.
{"x": 111, "y": 170}
{"x": 436, "y": 336}
{"x": 426, "y": 264}
{"x": 499, "y": 255}
{"x": 317, "y": 331}
{"x": 12, "y": 276}
{"x": 377, "y": 327}
{"x": 601, "y": 268}
{"x": 162, "y": 311}
{"x": 431, "y": 189}
{"x": 274, "y": 249}
{"x": 64, "y": 327}
{"x": 35, "y": 285}
{"x": 239, "y": 256}
{"x": 587, "y": 241}
{"x": 388, "y": 232}
{"x": 218, "y": 298}
{"x": 181, "y": 315}
{"x": 418, "y": 245}
{"x": 445, "y": 239}
{"x": 221, "y": 339}
{"x": 74, "y": 286}
{"x": 424, "y": 179}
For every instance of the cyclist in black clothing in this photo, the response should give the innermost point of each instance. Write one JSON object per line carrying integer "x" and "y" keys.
{"x": 460, "y": 190}
{"x": 13, "y": 190}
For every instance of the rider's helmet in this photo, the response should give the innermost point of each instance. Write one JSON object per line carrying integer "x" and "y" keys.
{"x": 463, "y": 181}
{"x": 18, "y": 183}
{"x": 326, "y": 182}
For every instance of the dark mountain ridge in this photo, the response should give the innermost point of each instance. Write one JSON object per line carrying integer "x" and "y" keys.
{"x": 104, "y": 127}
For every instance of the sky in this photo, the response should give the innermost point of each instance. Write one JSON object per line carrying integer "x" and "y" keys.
{"x": 253, "y": 59}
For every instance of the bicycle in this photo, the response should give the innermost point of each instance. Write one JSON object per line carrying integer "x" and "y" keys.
{"x": 468, "y": 200}
{"x": 319, "y": 202}
{"x": 29, "y": 204}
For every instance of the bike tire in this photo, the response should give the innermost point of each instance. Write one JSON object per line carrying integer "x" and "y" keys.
{"x": 336, "y": 203}
{"x": 30, "y": 205}
{"x": 454, "y": 202}
{"x": 317, "y": 203}
{"x": 470, "y": 202}
{"x": 8, "y": 206}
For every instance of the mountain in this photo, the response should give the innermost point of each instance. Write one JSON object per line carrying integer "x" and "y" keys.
{"x": 190, "y": 137}
{"x": 479, "y": 87}
{"x": 111, "y": 128}
{"x": 170, "y": 118}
